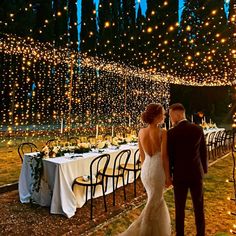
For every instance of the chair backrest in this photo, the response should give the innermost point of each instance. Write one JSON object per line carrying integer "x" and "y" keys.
{"x": 223, "y": 135}
{"x": 121, "y": 158}
{"x": 228, "y": 133}
{"x": 137, "y": 161}
{"x": 219, "y": 135}
{"x": 99, "y": 166}
{"x": 51, "y": 142}
{"x": 230, "y": 136}
{"x": 26, "y": 148}
{"x": 211, "y": 137}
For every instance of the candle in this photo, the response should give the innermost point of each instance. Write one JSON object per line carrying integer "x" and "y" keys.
{"x": 210, "y": 120}
{"x": 96, "y": 131}
{"x": 129, "y": 120}
{"x": 169, "y": 123}
{"x": 61, "y": 125}
{"x": 192, "y": 118}
{"x": 112, "y": 131}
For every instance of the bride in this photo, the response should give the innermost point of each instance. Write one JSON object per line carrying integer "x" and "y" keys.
{"x": 155, "y": 175}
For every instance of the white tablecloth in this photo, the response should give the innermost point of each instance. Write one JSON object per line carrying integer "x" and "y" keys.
{"x": 57, "y": 178}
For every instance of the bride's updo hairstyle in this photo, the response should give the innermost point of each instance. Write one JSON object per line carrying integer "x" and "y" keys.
{"x": 151, "y": 112}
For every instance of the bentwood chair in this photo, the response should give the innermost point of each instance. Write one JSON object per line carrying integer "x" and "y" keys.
{"x": 210, "y": 145}
{"x": 26, "y": 148}
{"x": 97, "y": 169}
{"x": 217, "y": 143}
{"x": 229, "y": 137}
{"x": 133, "y": 167}
{"x": 51, "y": 142}
{"x": 117, "y": 172}
{"x": 221, "y": 142}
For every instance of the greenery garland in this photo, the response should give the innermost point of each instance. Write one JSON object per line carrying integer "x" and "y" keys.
{"x": 36, "y": 164}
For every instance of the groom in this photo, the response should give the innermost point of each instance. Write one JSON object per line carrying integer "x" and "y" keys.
{"x": 188, "y": 161}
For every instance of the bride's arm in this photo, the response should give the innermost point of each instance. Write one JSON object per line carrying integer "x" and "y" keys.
{"x": 165, "y": 158}
{"x": 141, "y": 152}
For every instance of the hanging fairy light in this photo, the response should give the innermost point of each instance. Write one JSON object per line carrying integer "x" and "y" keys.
{"x": 191, "y": 77}
{"x": 47, "y": 86}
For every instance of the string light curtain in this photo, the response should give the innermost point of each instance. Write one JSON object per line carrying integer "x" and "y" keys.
{"x": 43, "y": 86}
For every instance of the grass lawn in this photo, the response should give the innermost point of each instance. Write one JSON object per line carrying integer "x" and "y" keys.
{"x": 218, "y": 222}
{"x": 10, "y": 163}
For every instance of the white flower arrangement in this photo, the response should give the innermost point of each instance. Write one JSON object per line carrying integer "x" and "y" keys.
{"x": 101, "y": 145}
{"x": 115, "y": 142}
{"x": 45, "y": 152}
{"x": 56, "y": 149}
{"x": 85, "y": 145}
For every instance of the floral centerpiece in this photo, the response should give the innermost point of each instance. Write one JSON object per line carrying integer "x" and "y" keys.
{"x": 83, "y": 148}
{"x": 204, "y": 125}
{"x": 115, "y": 141}
{"x": 103, "y": 144}
{"x": 131, "y": 139}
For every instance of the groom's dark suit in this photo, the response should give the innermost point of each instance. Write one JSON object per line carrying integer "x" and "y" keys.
{"x": 188, "y": 163}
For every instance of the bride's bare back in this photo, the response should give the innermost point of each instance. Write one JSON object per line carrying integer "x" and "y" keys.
{"x": 150, "y": 140}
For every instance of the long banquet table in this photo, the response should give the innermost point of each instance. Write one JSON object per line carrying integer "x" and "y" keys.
{"x": 58, "y": 175}
{"x": 57, "y": 178}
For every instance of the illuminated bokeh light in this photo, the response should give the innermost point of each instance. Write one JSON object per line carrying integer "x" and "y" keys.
{"x": 42, "y": 85}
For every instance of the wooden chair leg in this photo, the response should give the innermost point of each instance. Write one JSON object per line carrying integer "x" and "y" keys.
{"x": 94, "y": 190}
{"x": 128, "y": 177}
{"x": 104, "y": 197}
{"x": 106, "y": 183}
{"x": 213, "y": 152}
{"x": 123, "y": 179}
{"x": 113, "y": 188}
{"x": 86, "y": 194}
{"x": 134, "y": 183}
{"x": 91, "y": 211}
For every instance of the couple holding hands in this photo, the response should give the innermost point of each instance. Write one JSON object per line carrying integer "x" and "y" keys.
{"x": 175, "y": 157}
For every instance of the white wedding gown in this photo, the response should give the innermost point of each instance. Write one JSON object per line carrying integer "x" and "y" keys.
{"x": 154, "y": 219}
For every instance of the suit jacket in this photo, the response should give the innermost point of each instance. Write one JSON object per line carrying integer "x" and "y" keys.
{"x": 187, "y": 152}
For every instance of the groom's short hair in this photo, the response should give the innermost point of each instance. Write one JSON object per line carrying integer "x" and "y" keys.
{"x": 177, "y": 107}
